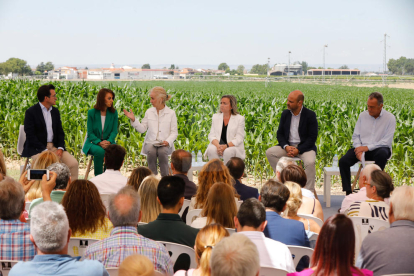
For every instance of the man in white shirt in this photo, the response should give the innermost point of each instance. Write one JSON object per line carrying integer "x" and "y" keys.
{"x": 111, "y": 181}
{"x": 251, "y": 221}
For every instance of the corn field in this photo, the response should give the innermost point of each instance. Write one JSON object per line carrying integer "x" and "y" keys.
{"x": 337, "y": 108}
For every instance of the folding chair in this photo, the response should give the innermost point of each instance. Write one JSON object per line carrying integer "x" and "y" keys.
{"x": 299, "y": 252}
{"x": 20, "y": 144}
{"x": 6, "y": 266}
{"x": 176, "y": 250}
{"x": 271, "y": 271}
{"x": 191, "y": 215}
{"x": 317, "y": 220}
{"x": 77, "y": 246}
{"x": 112, "y": 271}
{"x": 358, "y": 173}
{"x": 185, "y": 206}
{"x": 88, "y": 168}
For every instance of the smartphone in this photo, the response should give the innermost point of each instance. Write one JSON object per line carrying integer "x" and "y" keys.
{"x": 37, "y": 174}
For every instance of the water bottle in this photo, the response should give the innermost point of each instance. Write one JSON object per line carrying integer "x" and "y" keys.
{"x": 335, "y": 161}
{"x": 193, "y": 160}
{"x": 199, "y": 157}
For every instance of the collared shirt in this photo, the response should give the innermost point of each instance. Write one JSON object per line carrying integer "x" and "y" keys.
{"x": 15, "y": 244}
{"x": 125, "y": 241}
{"x": 48, "y": 121}
{"x": 294, "y": 138}
{"x": 271, "y": 253}
{"x": 349, "y": 199}
{"x": 55, "y": 195}
{"x": 110, "y": 182}
{"x": 374, "y": 133}
{"x": 54, "y": 264}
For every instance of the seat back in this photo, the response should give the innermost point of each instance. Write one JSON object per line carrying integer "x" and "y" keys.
{"x": 231, "y": 230}
{"x": 5, "y": 266}
{"x": 21, "y": 140}
{"x": 112, "y": 271}
{"x": 271, "y": 271}
{"x": 84, "y": 141}
{"x": 317, "y": 220}
{"x": 175, "y": 250}
{"x": 77, "y": 246}
{"x": 192, "y": 215}
{"x": 185, "y": 206}
{"x": 299, "y": 252}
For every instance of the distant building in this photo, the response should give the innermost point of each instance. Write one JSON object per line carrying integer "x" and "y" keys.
{"x": 66, "y": 73}
{"x": 282, "y": 69}
{"x": 333, "y": 72}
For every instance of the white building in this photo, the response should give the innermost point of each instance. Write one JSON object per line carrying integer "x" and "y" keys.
{"x": 95, "y": 74}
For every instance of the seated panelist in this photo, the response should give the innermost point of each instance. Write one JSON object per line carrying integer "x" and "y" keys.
{"x": 102, "y": 128}
{"x": 227, "y": 132}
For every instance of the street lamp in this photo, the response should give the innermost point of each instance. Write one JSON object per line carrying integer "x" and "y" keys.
{"x": 323, "y": 71}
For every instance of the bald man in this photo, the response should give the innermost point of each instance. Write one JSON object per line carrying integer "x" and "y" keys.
{"x": 297, "y": 133}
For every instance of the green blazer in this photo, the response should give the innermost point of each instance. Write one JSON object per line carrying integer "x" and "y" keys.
{"x": 95, "y": 128}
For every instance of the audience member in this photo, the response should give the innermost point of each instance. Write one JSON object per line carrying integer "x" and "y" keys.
{"x": 50, "y": 233}
{"x": 3, "y": 169}
{"x": 282, "y": 164}
{"x": 363, "y": 182}
{"x": 15, "y": 244}
{"x": 206, "y": 240}
{"x": 335, "y": 249}
{"x": 236, "y": 168}
{"x": 391, "y": 251}
{"x": 111, "y": 181}
{"x": 379, "y": 188}
{"x": 137, "y": 176}
{"x": 124, "y": 213}
{"x": 136, "y": 265}
{"x": 236, "y": 255}
{"x": 310, "y": 205}
{"x": 219, "y": 207}
{"x": 148, "y": 193}
{"x": 251, "y": 221}
{"x": 180, "y": 165}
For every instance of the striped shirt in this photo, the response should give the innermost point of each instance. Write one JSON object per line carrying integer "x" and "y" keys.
{"x": 370, "y": 209}
{"x": 15, "y": 244}
{"x": 125, "y": 241}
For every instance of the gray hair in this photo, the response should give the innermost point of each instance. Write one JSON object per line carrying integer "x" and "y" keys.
{"x": 236, "y": 255}
{"x": 369, "y": 169}
{"x": 378, "y": 96}
{"x": 402, "y": 201}
{"x": 63, "y": 175}
{"x": 283, "y": 163}
{"x": 121, "y": 216}
{"x": 49, "y": 227}
{"x": 11, "y": 199}
{"x": 233, "y": 103}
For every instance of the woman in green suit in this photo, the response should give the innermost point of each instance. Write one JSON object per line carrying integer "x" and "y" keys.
{"x": 102, "y": 128}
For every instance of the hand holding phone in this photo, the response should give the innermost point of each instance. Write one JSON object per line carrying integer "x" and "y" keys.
{"x": 48, "y": 185}
{"x": 37, "y": 174}
{"x": 25, "y": 182}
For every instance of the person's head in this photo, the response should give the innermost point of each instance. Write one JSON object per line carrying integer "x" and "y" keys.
{"x": 375, "y": 103}
{"x": 365, "y": 176}
{"x": 49, "y": 228}
{"x": 236, "y": 167}
{"x": 105, "y": 100}
{"x": 181, "y": 161}
{"x": 274, "y": 196}
{"x": 281, "y": 164}
{"x": 137, "y": 176}
{"x": 63, "y": 175}
{"x": 114, "y": 157}
{"x": 84, "y": 207}
{"x": 295, "y": 174}
{"x": 136, "y": 265}
{"x": 170, "y": 193}
{"x": 228, "y": 105}
{"x": 251, "y": 216}
{"x": 295, "y": 100}
{"x": 3, "y": 169}
{"x": 46, "y": 94}
{"x": 335, "y": 248}
{"x": 158, "y": 97}
{"x": 295, "y": 199}
{"x": 380, "y": 185}
{"x": 125, "y": 207}
{"x": 220, "y": 206}
{"x": 11, "y": 199}
{"x": 212, "y": 172}
{"x": 148, "y": 195}
{"x": 402, "y": 204}
{"x": 236, "y": 255}
{"x": 206, "y": 240}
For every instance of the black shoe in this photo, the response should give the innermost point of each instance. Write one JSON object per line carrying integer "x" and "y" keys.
{"x": 348, "y": 192}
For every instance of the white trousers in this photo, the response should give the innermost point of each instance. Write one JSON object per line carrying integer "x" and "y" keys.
{"x": 228, "y": 153}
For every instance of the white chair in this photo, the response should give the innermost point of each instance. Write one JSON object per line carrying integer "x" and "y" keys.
{"x": 271, "y": 271}
{"x": 359, "y": 171}
{"x": 299, "y": 252}
{"x": 5, "y": 266}
{"x": 231, "y": 230}
{"x": 77, "y": 246}
{"x": 364, "y": 226}
{"x": 112, "y": 271}
{"x": 192, "y": 215}
{"x": 176, "y": 250}
{"x": 142, "y": 223}
{"x": 88, "y": 168}
{"x": 20, "y": 145}
{"x": 185, "y": 206}
{"x": 307, "y": 216}
{"x": 27, "y": 205}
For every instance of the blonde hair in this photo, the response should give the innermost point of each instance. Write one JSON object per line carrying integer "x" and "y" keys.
{"x": 206, "y": 239}
{"x": 149, "y": 205}
{"x": 44, "y": 160}
{"x": 295, "y": 199}
{"x": 137, "y": 176}
{"x": 3, "y": 169}
{"x": 402, "y": 202}
{"x": 160, "y": 93}
{"x": 136, "y": 265}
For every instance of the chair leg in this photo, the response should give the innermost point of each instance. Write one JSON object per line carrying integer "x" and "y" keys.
{"x": 25, "y": 166}
{"x": 356, "y": 178}
{"x": 88, "y": 168}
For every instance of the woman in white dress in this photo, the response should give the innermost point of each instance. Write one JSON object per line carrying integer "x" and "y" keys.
{"x": 160, "y": 123}
{"x": 227, "y": 132}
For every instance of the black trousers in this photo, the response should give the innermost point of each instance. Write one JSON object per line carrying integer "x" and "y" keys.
{"x": 379, "y": 156}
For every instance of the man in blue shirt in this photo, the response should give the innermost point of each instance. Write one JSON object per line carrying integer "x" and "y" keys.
{"x": 236, "y": 168}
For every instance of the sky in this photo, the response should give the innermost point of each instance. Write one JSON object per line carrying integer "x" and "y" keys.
{"x": 188, "y": 32}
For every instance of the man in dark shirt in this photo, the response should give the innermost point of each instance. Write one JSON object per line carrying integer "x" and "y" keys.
{"x": 236, "y": 167}
{"x": 180, "y": 165}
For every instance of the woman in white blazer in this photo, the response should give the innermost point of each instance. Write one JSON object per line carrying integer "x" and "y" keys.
{"x": 227, "y": 132}
{"x": 160, "y": 123}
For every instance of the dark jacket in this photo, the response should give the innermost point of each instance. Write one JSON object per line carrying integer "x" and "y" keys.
{"x": 36, "y": 133}
{"x": 245, "y": 191}
{"x": 308, "y": 130}
{"x": 190, "y": 187}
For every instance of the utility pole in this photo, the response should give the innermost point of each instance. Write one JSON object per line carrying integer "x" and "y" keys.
{"x": 384, "y": 65}
{"x": 267, "y": 75}
{"x": 323, "y": 71}
{"x": 289, "y": 66}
